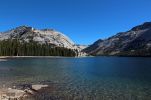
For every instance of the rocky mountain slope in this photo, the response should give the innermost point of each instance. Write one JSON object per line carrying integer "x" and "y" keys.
{"x": 135, "y": 42}
{"x": 41, "y": 36}
{"x": 48, "y": 36}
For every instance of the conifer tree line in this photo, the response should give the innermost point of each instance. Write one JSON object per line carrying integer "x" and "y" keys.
{"x": 16, "y": 48}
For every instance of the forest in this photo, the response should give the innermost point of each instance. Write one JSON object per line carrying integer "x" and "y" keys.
{"x": 14, "y": 47}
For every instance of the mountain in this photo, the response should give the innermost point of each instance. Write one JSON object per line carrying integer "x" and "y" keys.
{"x": 41, "y": 36}
{"x": 26, "y": 34}
{"x": 135, "y": 42}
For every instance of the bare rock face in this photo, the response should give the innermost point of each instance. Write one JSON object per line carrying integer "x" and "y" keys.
{"x": 135, "y": 42}
{"x": 41, "y": 36}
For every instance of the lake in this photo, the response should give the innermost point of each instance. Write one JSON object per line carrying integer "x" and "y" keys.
{"x": 89, "y": 78}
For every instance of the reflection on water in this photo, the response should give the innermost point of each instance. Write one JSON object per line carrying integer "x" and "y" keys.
{"x": 95, "y": 78}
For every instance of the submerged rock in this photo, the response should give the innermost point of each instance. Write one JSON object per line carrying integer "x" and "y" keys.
{"x": 38, "y": 87}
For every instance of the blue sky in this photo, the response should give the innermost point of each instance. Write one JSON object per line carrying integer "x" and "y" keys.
{"x": 84, "y": 21}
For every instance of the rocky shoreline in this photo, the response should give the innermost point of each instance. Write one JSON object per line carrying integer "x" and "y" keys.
{"x": 21, "y": 92}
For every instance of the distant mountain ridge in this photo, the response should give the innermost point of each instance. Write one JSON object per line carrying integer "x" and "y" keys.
{"x": 135, "y": 42}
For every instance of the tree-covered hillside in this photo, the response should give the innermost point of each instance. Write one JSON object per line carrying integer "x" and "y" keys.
{"x": 13, "y": 47}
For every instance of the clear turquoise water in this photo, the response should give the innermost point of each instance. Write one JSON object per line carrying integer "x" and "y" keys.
{"x": 91, "y": 78}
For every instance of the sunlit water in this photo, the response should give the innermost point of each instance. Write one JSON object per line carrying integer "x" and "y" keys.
{"x": 92, "y": 78}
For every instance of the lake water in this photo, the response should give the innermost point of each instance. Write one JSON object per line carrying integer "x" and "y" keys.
{"x": 90, "y": 78}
